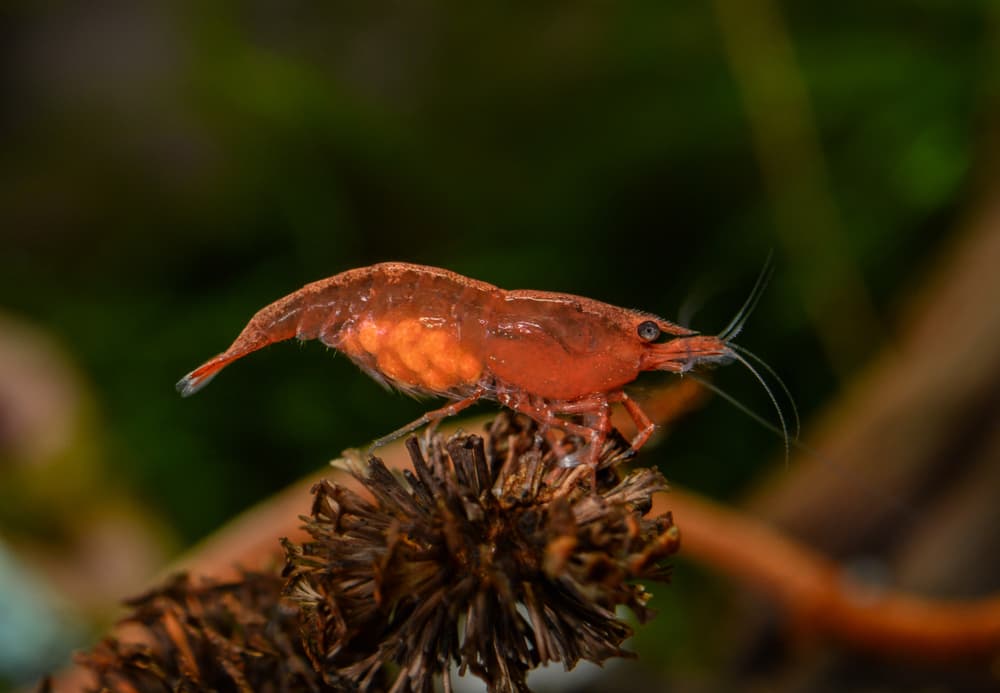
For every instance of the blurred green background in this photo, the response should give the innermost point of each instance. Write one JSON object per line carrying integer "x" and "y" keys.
{"x": 169, "y": 168}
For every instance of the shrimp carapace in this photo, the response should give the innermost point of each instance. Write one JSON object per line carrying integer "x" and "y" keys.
{"x": 429, "y": 331}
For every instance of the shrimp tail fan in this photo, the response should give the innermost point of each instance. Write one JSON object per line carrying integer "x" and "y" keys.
{"x": 202, "y": 376}
{"x": 274, "y": 323}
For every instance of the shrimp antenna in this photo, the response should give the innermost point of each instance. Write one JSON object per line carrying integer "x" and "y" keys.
{"x": 781, "y": 383}
{"x": 904, "y": 509}
{"x": 735, "y": 325}
{"x": 782, "y": 431}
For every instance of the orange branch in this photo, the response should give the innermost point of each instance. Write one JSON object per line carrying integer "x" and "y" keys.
{"x": 821, "y": 599}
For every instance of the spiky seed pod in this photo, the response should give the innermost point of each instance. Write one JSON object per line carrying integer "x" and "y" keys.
{"x": 208, "y": 636}
{"x": 491, "y": 556}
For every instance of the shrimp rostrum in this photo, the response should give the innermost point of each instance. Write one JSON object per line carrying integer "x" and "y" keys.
{"x": 561, "y": 359}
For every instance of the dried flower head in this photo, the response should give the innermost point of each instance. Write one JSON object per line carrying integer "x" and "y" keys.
{"x": 491, "y": 555}
{"x": 208, "y": 636}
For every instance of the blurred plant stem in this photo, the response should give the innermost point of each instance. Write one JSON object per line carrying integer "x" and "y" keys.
{"x": 787, "y": 143}
{"x": 915, "y": 422}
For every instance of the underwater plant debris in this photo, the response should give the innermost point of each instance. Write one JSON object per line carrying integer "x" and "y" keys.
{"x": 208, "y": 636}
{"x": 489, "y": 555}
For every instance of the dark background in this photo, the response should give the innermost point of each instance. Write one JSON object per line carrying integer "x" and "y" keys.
{"x": 167, "y": 169}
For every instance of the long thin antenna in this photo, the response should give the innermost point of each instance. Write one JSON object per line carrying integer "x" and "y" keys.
{"x": 894, "y": 500}
{"x": 757, "y": 418}
{"x": 783, "y": 431}
{"x": 781, "y": 383}
{"x": 735, "y": 325}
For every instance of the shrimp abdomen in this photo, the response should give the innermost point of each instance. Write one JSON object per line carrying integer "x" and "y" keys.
{"x": 421, "y": 329}
{"x": 333, "y": 310}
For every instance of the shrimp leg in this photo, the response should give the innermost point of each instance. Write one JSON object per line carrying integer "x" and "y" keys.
{"x": 594, "y": 430}
{"x": 643, "y": 424}
{"x": 430, "y": 417}
{"x": 597, "y": 406}
{"x": 596, "y": 410}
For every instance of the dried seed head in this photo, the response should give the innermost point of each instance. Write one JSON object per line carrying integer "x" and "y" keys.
{"x": 491, "y": 556}
{"x": 235, "y": 636}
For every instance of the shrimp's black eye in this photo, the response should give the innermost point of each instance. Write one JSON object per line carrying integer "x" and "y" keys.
{"x": 648, "y": 331}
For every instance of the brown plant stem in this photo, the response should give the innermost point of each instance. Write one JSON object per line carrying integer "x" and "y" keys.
{"x": 821, "y": 600}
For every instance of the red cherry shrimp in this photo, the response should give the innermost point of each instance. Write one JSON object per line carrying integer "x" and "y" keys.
{"x": 551, "y": 356}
